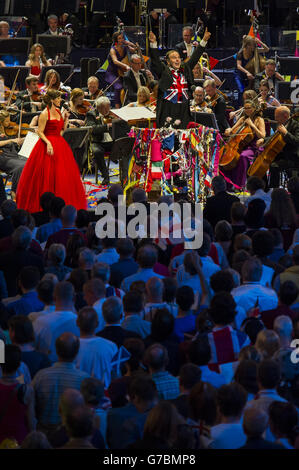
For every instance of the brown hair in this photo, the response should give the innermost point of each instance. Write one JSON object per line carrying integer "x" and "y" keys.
{"x": 32, "y": 51}
{"x": 56, "y": 85}
{"x": 50, "y": 96}
{"x": 115, "y": 36}
{"x": 282, "y": 209}
{"x": 30, "y": 79}
{"x": 162, "y": 423}
{"x": 247, "y": 41}
{"x": 202, "y": 402}
{"x": 249, "y": 95}
{"x": 76, "y": 93}
{"x": 270, "y": 62}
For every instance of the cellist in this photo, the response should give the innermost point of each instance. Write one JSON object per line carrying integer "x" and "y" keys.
{"x": 252, "y": 118}
{"x": 288, "y": 158}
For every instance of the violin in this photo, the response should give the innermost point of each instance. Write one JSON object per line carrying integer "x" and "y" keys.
{"x": 13, "y": 129}
{"x": 84, "y": 107}
{"x": 37, "y": 96}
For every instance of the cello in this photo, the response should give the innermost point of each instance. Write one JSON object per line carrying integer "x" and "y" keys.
{"x": 273, "y": 147}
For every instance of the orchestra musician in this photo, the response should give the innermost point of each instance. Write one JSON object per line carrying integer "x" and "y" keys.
{"x": 187, "y": 46}
{"x": 77, "y": 107}
{"x": 102, "y": 142}
{"x": 201, "y": 72}
{"x": 198, "y": 104}
{"x": 252, "y": 118}
{"x": 4, "y": 34}
{"x": 53, "y": 29}
{"x": 31, "y": 97}
{"x": 92, "y": 92}
{"x": 37, "y": 59}
{"x": 134, "y": 79}
{"x": 288, "y": 158}
{"x": 266, "y": 96}
{"x": 270, "y": 74}
{"x": 143, "y": 97}
{"x": 247, "y": 95}
{"x": 118, "y": 63}
{"x": 175, "y": 81}
{"x": 217, "y": 103}
{"x": 52, "y": 80}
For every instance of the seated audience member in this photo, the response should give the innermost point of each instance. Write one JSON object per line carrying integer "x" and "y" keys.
{"x": 293, "y": 188}
{"x": 199, "y": 353}
{"x": 68, "y": 218}
{"x": 223, "y": 281}
{"x": 251, "y": 293}
{"x": 113, "y": 313}
{"x": 28, "y": 281}
{"x": 56, "y": 258}
{"x": 255, "y": 423}
{"x": 12, "y": 262}
{"x": 54, "y": 225}
{"x": 231, "y": 400}
{"x": 162, "y": 332}
{"x": 218, "y": 207}
{"x": 225, "y": 342}
{"x": 43, "y": 217}
{"x": 79, "y": 428}
{"x": 278, "y": 250}
{"x": 86, "y": 261}
{"x": 125, "y": 425}
{"x": 185, "y": 320}
{"x": 246, "y": 375}
{"x": 94, "y": 292}
{"x": 7, "y": 208}
{"x": 70, "y": 400}
{"x": 267, "y": 344}
{"x": 48, "y": 328}
{"x": 22, "y": 335}
{"x": 125, "y": 266}
{"x": 283, "y": 420}
{"x": 256, "y": 187}
{"x": 78, "y": 278}
{"x": 118, "y": 389}
{"x": 102, "y": 271}
{"x": 108, "y": 254}
{"x": 156, "y": 359}
{"x": 45, "y": 293}
{"x": 93, "y": 392}
{"x": 282, "y": 215}
{"x": 289, "y": 274}
{"x": 50, "y": 383}
{"x": 189, "y": 376}
{"x": 254, "y": 217}
{"x": 146, "y": 259}
{"x": 154, "y": 297}
{"x": 133, "y": 310}
{"x": 17, "y": 399}
{"x": 287, "y": 295}
{"x": 95, "y": 354}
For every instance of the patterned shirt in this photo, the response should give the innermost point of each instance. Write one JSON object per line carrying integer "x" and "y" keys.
{"x": 178, "y": 91}
{"x": 167, "y": 385}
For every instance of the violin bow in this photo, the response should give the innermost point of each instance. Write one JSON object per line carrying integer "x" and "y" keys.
{"x": 13, "y": 88}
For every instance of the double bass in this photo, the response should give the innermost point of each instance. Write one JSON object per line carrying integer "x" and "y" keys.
{"x": 273, "y": 147}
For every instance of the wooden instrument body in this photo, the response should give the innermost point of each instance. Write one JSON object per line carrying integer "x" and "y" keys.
{"x": 262, "y": 163}
{"x": 126, "y": 61}
{"x": 231, "y": 151}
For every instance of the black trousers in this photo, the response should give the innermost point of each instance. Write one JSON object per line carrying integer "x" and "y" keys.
{"x": 99, "y": 150}
{"x": 284, "y": 164}
{"x": 12, "y": 165}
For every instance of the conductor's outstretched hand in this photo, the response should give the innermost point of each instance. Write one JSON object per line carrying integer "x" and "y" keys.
{"x": 207, "y": 35}
{"x": 152, "y": 37}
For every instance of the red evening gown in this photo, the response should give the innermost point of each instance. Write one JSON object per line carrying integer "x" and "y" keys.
{"x": 58, "y": 173}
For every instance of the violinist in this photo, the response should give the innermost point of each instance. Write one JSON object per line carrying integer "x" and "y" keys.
{"x": 10, "y": 161}
{"x": 92, "y": 92}
{"x": 143, "y": 97}
{"x": 247, "y": 95}
{"x": 52, "y": 80}
{"x": 78, "y": 108}
{"x": 198, "y": 104}
{"x": 31, "y": 97}
{"x": 288, "y": 158}
{"x": 4, "y": 34}
{"x": 270, "y": 74}
{"x": 217, "y": 103}
{"x": 102, "y": 140}
{"x": 266, "y": 97}
{"x": 252, "y": 118}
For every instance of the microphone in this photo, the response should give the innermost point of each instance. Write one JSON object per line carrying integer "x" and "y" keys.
{"x": 65, "y": 105}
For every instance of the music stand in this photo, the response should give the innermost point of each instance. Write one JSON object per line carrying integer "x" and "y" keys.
{"x": 14, "y": 46}
{"x": 64, "y": 71}
{"x": 206, "y": 119}
{"x": 77, "y": 137}
{"x": 121, "y": 152}
{"x": 283, "y": 91}
{"x": 3, "y": 8}
{"x": 167, "y": 4}
{"x": 289, "y": 65}
{"x": 120, "y": 128}
{"x": 54, "y": 45}
{"x": 116, "y": 6}
{"x": 9, "y": 74}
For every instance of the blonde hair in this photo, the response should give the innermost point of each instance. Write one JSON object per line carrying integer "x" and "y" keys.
{"x": 42, "y": 56}
{"x": 76, "y": 93}
{"x": 93, "y": 79}
{"x": 247, "y": 41}
{"x": 145, "y": 90}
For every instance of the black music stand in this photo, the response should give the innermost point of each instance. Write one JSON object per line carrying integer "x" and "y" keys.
{"x": 206, "y": 119}
{"x": 64, "y": 71}
{"x": 27, "y": 7}
{"x": 3, "y": 11}
{"x": 168, "y": 4}
{"x": 9, "y": 74}
{"x": 19, "y": 46}
{"x": 283, "y": 91}
{"x": 288, "y": 65}
{"x": 121, "y": 152}
{"x": 120, "y": 128}
{"x": 54, "y": 45}
{"x": 77, "y": 137}
{"x": 116, "y": 6}
{"x": 58, "y": 7}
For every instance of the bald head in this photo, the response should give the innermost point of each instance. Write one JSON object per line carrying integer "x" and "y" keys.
{"x": 283, "y": 326}
{"x": 69, "y": 400}
{"x": 156, "y": 357}
{"x": 154, "y": 290}
{"x": 282, "y": 114}
{"x": 255, "y": 420}
{"x": 199, "y": 95}
{"x": 67, "y": 347}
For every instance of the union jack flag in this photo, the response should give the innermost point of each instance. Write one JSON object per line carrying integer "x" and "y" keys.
{"x": 178, "y": 92}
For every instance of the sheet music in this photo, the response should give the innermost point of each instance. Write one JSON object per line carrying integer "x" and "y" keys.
{"x": 129, "y": 113}
{"x": 29, "y": 143}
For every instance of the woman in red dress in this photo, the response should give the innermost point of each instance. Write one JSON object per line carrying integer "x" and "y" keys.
{"x": 37, "y": 59}
{"x": 51, "y": 165}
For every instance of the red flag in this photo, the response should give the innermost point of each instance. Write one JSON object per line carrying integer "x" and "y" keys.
{"x": 251, "y": 33}
{"x": 213, "y": 62}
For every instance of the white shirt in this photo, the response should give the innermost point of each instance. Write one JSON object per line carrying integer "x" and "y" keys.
{"x": 137, "y": 78}
{"x": 189, "y": 49}
{"x": 250, "y": 294}
{"x": 260, "y": 194}
{"x": 98, "y": 308}
{"x": 34, "y": 315}
{"x": 227, "y": 436}
{"x": 213, "y": 378}
{"x": 95, "y": 356}
{"x": 48, "y": 328}
{"x": 267, "y": 275}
